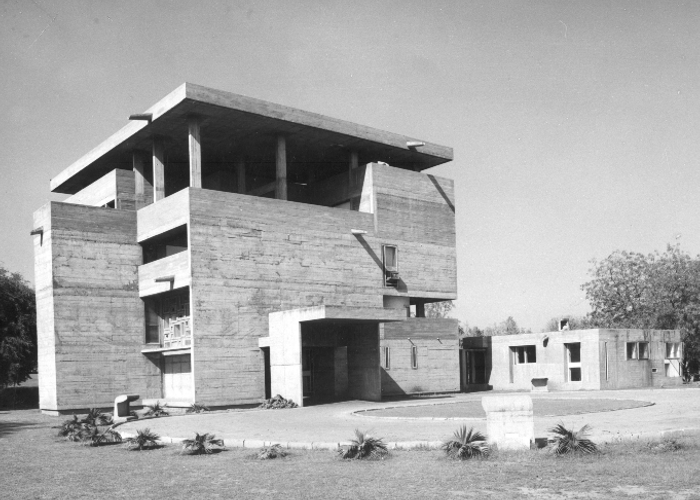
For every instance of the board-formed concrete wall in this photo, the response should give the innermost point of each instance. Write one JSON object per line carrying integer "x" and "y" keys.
{"x": 604, "y": 363}
{"x": 623, "y": 373}
{"x": 91, "y": 320}
{"x": 550, "y": 360}
{"x": 251, "y": 256}
{"x": 438, "y": 356}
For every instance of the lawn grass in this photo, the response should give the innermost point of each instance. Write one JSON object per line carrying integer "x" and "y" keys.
{"x": 36, "y": 464}
{"x": 541, "y": 407}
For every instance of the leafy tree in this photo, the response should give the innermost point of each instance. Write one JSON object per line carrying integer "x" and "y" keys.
{"x": 17, "y": 329}
{"x": 438, "y": 309}
{"x": 658, "y": 290}
{"x": 507, "y": 327}
{"x": 575, "y": 323}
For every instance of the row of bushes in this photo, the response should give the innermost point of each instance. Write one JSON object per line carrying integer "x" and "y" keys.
{"x": 464, "y": 444}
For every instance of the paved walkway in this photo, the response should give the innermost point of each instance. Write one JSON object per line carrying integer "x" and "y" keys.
{"x": 326, "y": 425}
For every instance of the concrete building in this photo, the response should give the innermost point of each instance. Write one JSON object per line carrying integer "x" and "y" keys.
{"x": 220, "y": 249}
{"x": 572, "y": 360}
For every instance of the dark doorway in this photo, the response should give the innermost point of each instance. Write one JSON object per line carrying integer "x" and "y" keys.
{"x": 268, "y": 383}
{"x": 474, "y": 366}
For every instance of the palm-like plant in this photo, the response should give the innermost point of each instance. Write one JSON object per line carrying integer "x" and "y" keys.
{"x": 202, "y": 444}
{"x": 144, "y": 439}
{"x": 157, "y": 409}
{"x": 466, "y": 444}
{"x": 92, "y": 436}
{"x": 272, "y": 451}
{"x": 197, "y": 408}
{"x": 566, "y": 441}
{"x": 96, "y": 417}
{"x": 69, "y": 427}
{"x": 364, "y": 446}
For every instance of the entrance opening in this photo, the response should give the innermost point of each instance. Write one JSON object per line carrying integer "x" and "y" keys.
{"x": 340, "y": 360}
{"x": 177, "y": 379}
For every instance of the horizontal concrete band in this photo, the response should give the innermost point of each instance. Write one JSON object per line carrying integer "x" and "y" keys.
{"x": 420, "y": 445}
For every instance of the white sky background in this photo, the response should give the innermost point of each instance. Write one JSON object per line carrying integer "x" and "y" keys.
{"x": 574, "y": 124}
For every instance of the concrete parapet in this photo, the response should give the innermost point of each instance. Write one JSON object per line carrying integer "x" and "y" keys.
{"x": 510, "y": 423}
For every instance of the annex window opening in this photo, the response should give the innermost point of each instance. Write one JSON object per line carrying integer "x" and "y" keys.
{"x": 573, "y": 361}
{"x": 672, "y": 362}
{"x": 637, "y": 350}
{"x": 524, "y": 354}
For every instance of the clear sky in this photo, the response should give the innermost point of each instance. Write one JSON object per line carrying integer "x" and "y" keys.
{"x": 574, "y": 124}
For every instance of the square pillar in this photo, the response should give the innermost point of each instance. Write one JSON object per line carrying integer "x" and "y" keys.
{"x": 281, "y": 163}
{"x": 195, "y": 152}
{"x": 158, "y": 169}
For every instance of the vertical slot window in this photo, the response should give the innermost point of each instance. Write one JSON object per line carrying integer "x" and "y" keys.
{"x": 414, "y": 357}
{"x": 152, "y": 323}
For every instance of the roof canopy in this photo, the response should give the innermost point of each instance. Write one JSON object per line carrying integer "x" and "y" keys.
{"x": 237, "y": 126}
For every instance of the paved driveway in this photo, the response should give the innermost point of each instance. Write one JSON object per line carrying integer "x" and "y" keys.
{"x": 673, "y": 409}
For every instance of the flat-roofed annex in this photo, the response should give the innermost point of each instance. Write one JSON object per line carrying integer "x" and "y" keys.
{"x": 233, "y": 126}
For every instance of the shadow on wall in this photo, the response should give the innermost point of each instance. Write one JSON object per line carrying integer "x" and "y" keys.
{"x": 389, "y": 386}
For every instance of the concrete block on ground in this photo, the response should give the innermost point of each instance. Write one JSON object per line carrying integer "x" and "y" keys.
{"x": 510, "y": 423}
{"x": 121, "y": 407}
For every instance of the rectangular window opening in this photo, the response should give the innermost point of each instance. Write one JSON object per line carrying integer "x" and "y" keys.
{"x": 573, "y": 361}
{"x": 524, "y": 354}
{"x": 386, "y": 360}
{"x": 637, "y": 350}
{"x": 390, "y": 254}
{"x": 414, "y": 357}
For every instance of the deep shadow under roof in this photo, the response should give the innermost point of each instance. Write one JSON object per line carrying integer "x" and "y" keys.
{"x": 235, "y": 126}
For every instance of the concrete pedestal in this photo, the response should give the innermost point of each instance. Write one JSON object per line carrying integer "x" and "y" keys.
{"x": 510, "y": 424}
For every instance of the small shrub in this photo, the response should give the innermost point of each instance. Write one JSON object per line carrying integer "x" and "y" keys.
{"x": 157, "y": 409}
{"x": 466, "y": 444}
{"x": 69, "y": 427}
{"x": 364, "y": 447}
{"x": 202, "y": 444}
{"x": 197, "y": 408}
{"x": 567, "y": 441}
{"x": 96, "y": 417}
{"x": 272, "y": 451}
{"x": 91, "y": 436}
{"x": 278, "y": 403}
{"x": 667, "y": 445}
{"x": 143, "y": 440}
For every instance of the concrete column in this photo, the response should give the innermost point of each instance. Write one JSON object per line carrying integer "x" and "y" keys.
{"x": 281, "y": 161}
{"x": 139, "y": 164}
{"x": 195, "y": 150}
{"x": 352, "y": 166}
{"x": 240, "y": 175}
{"x": 158, "y": 169}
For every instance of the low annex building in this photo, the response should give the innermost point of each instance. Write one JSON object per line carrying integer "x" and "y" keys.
{"x": 572, "y": 360}
{"x": 220, "y": 249}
